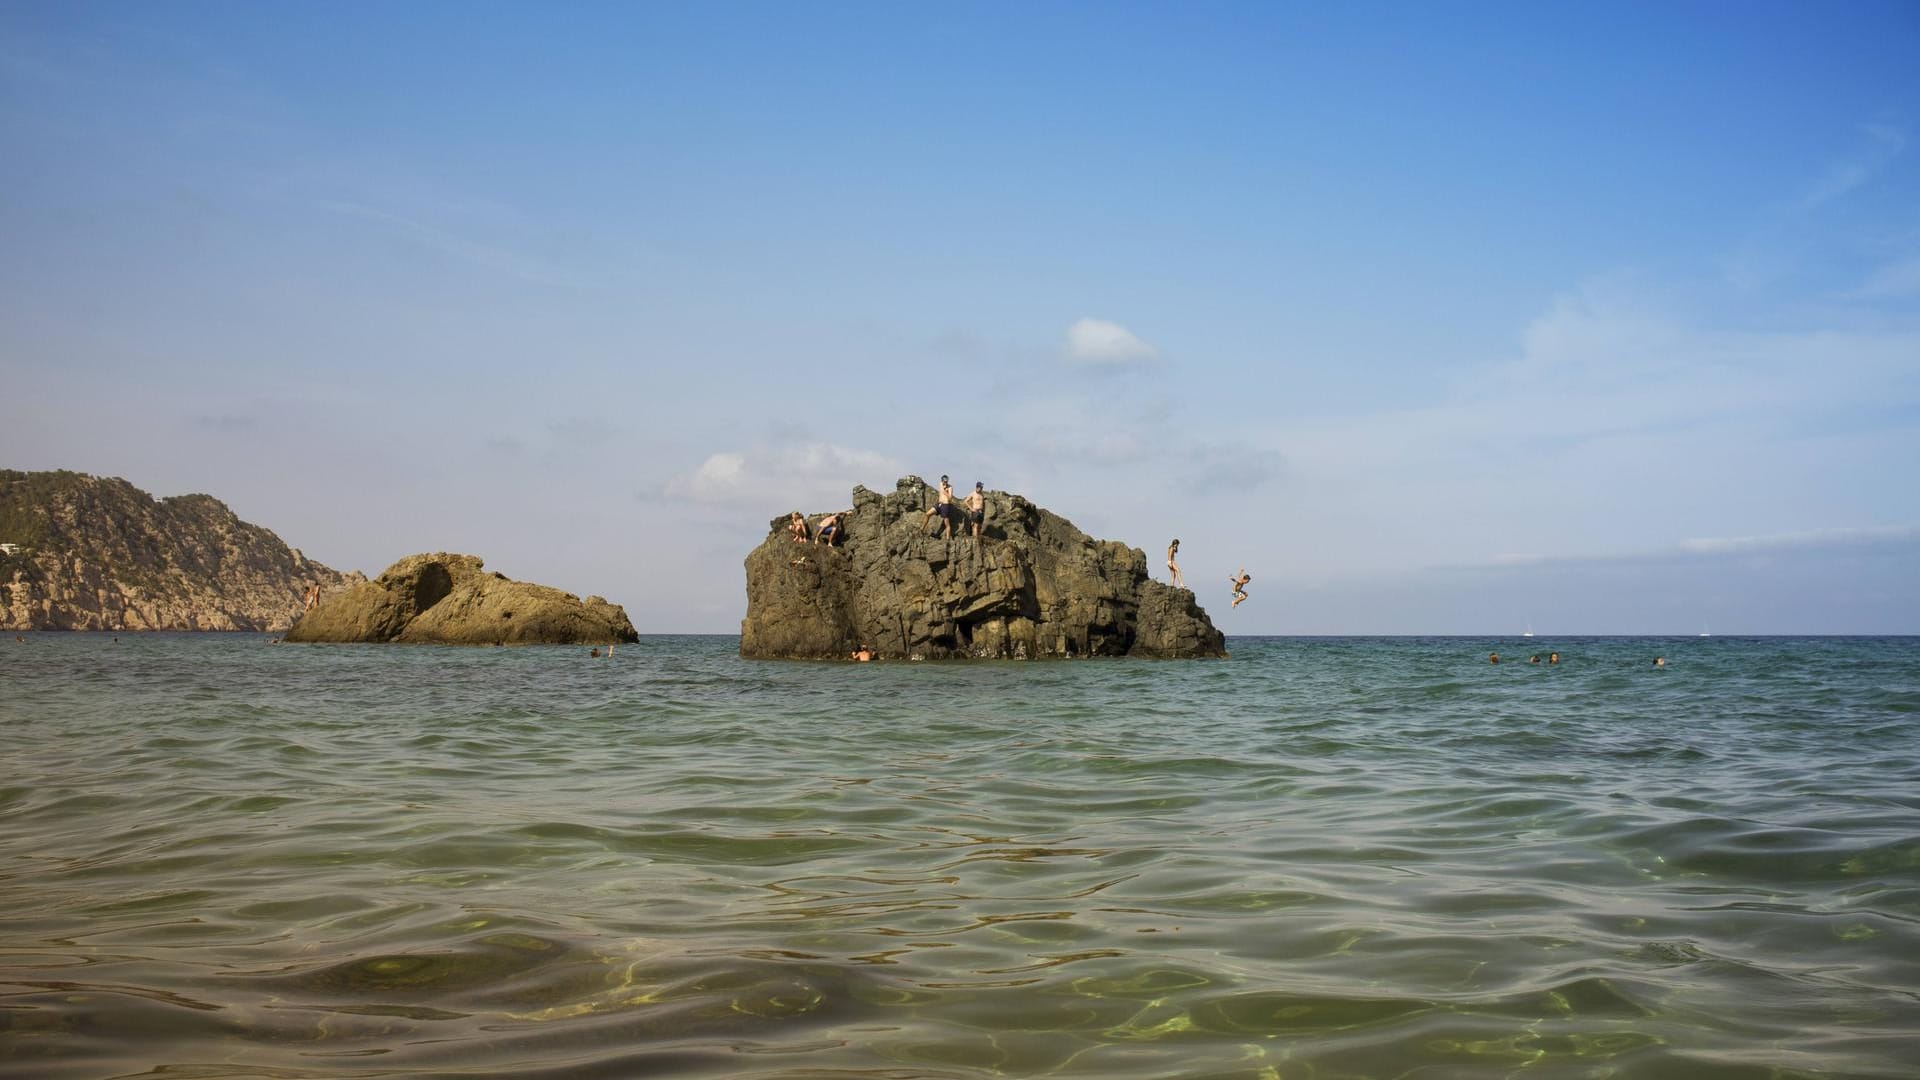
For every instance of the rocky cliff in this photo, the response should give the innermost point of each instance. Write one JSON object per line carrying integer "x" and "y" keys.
{"x": 81, "y": 552}
{"x": 443, "y": 599}
{"x": 1032, "y": 586}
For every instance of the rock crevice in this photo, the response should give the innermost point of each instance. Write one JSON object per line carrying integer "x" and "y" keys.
{"x": 1032, "y": 586}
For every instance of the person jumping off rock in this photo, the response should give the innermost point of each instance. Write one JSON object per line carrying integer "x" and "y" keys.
{"x": 1240, "y": 586}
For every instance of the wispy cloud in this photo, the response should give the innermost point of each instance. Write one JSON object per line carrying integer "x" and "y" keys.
{"x": 227, "y": 423}
{"x": 777, "y": 477}
{"x": 1096, "y": 341}
{"x": 1811, "y": 540}
{"x": 583, "y": 432}
{"x": 461, "y": 243}
{"x": 1895, "y": 281}
{"x": 1859, "y": 538}
{"x": 1881, "y": 143}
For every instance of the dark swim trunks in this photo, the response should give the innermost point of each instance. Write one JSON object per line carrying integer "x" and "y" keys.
{"x": 978, "y": 516}
{"x": 945, "y": 510}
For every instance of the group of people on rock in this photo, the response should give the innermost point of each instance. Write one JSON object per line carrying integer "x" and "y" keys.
{"x": 1238, "y": 581}
{"x": 830, "y": 530}
{"x": 943, "y": 506}
{"x": 974, "y": 507}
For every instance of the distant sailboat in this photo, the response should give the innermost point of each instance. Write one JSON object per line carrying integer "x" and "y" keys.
{"x": 1703, "y": 630}
{"x": 1529, "y": 630}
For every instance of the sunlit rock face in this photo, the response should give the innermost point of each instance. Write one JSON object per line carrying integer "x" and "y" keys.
{"x": 81, "y": 552}
{"x": 447, "y": 599}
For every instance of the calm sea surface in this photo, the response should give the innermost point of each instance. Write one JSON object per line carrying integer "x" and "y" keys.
{"x": 1323, "y": 858}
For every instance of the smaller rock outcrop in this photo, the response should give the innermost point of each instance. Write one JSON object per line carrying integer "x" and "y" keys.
{"x": 445, "y": 599}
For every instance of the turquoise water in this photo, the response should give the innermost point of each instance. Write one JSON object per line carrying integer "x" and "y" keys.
{"x": 1323, "y": 858}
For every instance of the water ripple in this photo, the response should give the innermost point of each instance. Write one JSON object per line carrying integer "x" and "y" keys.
{"x": 1321, "y": 858}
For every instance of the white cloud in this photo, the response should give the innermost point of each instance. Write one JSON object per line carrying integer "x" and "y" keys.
{"x": 809, "y": 476}
{"x": 1096, "y": 341}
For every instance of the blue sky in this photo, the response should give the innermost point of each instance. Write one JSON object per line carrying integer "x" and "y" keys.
{"x": 1439, "y": 318}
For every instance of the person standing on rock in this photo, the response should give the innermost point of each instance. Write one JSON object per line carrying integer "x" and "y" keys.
{"x": 977, "y": 508}
{"x": 944, "y": 507}
{"x": 1173, "y": 568}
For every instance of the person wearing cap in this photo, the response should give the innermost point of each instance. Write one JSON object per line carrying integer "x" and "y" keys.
{"x": 977, "y": 507}
{"x": 943, "y": 507}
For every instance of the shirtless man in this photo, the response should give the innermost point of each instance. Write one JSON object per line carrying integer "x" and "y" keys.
{"x": 977, "y": 508}
{"x": 1239, "y": 584}
{"x": 797, "y": 527}
{"x": 1173, "y": 568}
{"x": 830, "y": 527}
{"x": 944, "y": 507}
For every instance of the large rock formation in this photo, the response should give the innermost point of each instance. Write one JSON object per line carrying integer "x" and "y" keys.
{"x": 1032, "y": 586}
{"x": 80, "y": 552}
{"x": 443, "y": 599}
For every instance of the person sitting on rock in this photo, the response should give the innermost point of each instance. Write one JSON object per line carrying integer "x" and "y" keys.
{"x": 797, "y": 527}
{"x": 830, "y": 527}
{"x": 977, "y": 508}
{"x": 1173, "y": 568}
{"x": 944, "y": 507}
{"x": 1239, "y": 584}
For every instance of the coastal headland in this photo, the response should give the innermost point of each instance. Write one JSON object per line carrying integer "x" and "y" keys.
{"x": 80, "y": 552}
{"x": 447, "y": 599}
{"x": 892, "y": 584}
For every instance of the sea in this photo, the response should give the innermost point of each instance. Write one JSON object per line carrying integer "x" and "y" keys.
{"x": 1320, "y": 859}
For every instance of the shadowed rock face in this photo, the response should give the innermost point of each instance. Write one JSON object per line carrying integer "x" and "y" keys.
{"x": 1033, "y": 586}
{"x": 448, "y": 599}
